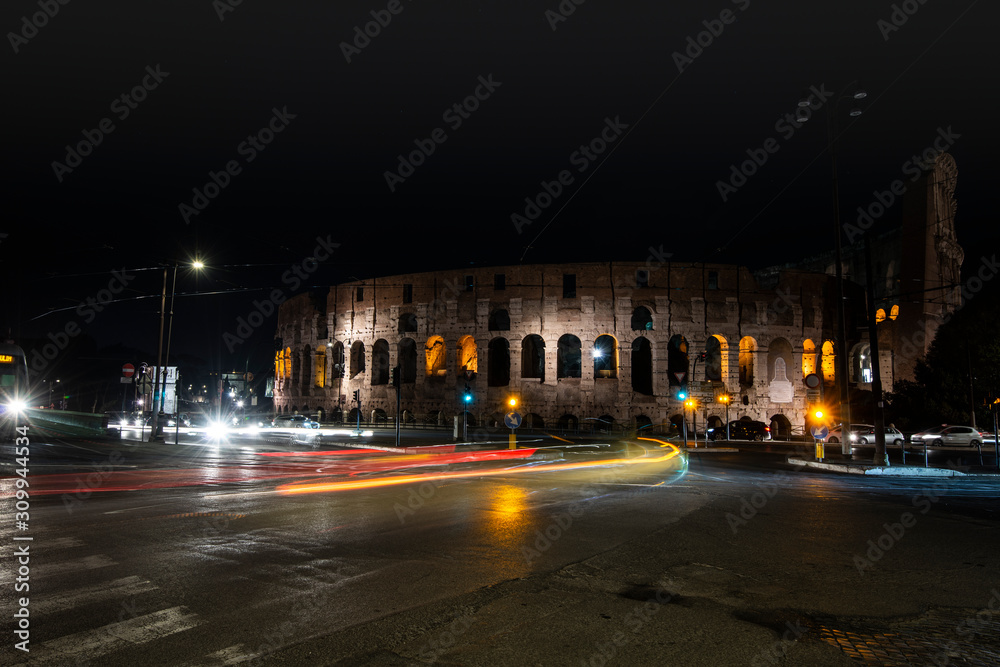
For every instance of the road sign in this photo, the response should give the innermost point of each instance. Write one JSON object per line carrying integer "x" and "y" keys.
{"x": 820, "y": 432}
{"x": 512, "y": 419}
{"x": 680, "y": 375}
{"x": 145, "y": 384}
{"x": 812, "y": 381}
{"x": 128, "y": 370}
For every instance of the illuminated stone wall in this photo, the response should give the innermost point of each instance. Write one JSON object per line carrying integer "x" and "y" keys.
{"x": 443, "y": 339}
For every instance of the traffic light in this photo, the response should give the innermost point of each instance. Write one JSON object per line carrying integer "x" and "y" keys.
{"x": 467, "y": 397}
{"x": 357, "y": 395}
{"x": 394, "y": 376}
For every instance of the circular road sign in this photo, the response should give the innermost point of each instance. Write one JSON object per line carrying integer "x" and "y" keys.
{"x": 812, "y": 380}
{"x": 512, "y": 419}
{"x": 820, "y": 432}
{"x": 128, "y": 370}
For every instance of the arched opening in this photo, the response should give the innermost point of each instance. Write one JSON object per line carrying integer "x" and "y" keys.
{"x": 320, "y": 366}
{"x": 468, "y": 357}
{"x": 499, "y": 320}
{"x": 357, "y": 358}
{"x": 748, "y": 355}
{"x": 894, "y": 312}
{"x": 352, "y": 416}
{"x": 605, "y": 357}
{"x": 407, "y": 323}
{"x": 407, "y": 350}
{"x": 533, "y": 357}
{"x": 531, "y": 420}
{"x": 829, "y": 363}
{"x": 880, "y": 316}
{"x": 378, "y": 416}
{"x": 306, "y": 363}
{"x": 808, "y": 357}
{"x": 642, "y": 320}
{"x": 604, "y": 423}
{"x": 781, "y": 427}
{"x": 568, "y": 357}
{"x": 568, "y": 423}
{"x": 336, "y": 361}
{"x": 498, "y": 363}
{"x": 642, "y": 366}
{"x": 716, "y": 359}
{"x": 677, "y": 361}
{"x": 642, "y": 422}
{"x": 861, "y": 364}
{"x": 380, "y": 362}
{"x": 288, "y": 364}
{"x": 336, "y": 415}
{"x": 437, "y": 362}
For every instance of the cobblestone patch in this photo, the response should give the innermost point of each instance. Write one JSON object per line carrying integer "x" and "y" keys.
{"x": 959, "y": 637}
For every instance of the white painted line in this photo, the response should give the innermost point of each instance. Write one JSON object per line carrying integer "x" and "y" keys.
{"x": 112, "y": 590}
{"x": 232, "y": 655}
{"x": 41, "y": 569}
{"x": 91, "y": 644}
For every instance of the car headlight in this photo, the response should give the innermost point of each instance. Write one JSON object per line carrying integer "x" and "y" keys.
{"x": 16, "y": 405}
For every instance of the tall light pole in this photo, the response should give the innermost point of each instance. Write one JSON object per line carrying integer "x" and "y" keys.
{"x": 840, "y": 358}
{"x": 159, "y": 346}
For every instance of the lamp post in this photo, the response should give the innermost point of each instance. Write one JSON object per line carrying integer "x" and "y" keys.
{"x": 724, "y": 399}
{"x": 159, "y": 346}
{"x": 841, "y": 356}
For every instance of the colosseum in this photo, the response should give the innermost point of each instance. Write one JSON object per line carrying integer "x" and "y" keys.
{"x": 574, "y": 343}
{"x": 590, "y": 344}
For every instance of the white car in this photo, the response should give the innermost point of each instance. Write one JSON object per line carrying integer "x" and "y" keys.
{"x": 956, "y": 436}
{"x": 293, "y": 421}
{"x": 834, "y": 437}
{"x": 893, "y": 436}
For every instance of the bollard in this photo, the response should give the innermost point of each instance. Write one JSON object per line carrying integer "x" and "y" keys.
{"x": 819, "y": 450}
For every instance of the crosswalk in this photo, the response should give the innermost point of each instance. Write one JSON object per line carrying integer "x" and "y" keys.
{"x": 95, "y": 586}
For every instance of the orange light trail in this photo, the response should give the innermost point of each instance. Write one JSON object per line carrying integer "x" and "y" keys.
{"x": 298, "y": 488}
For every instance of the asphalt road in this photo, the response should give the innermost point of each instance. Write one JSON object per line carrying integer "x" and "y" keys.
{"x": 211, "y": 557}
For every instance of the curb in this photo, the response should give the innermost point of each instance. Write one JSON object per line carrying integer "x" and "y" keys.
{"x": 891, "y": 471}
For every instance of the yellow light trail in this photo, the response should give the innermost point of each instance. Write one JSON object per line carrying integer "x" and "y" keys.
{"x": 409, "y": 479}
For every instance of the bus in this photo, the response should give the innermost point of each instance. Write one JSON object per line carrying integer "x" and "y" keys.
{"x": 14, "y": 389}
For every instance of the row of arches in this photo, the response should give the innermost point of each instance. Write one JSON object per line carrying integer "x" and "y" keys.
{"x": 326, "y": 363}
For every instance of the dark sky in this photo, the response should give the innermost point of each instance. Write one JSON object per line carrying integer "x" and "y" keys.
{"x": 323, "y": 174}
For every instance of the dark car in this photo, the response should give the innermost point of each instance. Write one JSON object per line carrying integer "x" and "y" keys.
{"x": 742, "y": 429}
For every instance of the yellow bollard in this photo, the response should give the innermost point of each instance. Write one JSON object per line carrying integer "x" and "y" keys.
{"x": 513, "y": 440}
{"x": 820, "y": 450}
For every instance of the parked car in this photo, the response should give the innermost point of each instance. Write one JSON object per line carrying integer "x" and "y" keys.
{"x": 835, "y": 436}
{"x": 956, "y": 436}
{"x": 893, "y": 436}
{"x": 742, "y": 429}
{"x": 293, "y": 421}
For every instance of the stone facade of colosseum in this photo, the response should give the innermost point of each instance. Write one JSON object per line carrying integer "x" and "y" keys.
{"x": 572, "y": 342}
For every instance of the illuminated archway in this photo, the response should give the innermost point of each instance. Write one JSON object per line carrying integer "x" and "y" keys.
{"x": 468, "y": 356}
{"x": 320, "y": 373}
{"x": 606, "y": 357}
{"x": 808, "y": 357}
{"x": 436, "y": 361}
{"x": 828, "y": 363}
{"x": 748, "y": 354}
{"x": 880, "y": 316}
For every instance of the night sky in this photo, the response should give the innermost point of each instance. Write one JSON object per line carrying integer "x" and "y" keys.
{"x": 675, "y": 115}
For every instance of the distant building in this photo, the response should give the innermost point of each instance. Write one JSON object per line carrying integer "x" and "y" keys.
{"x": 613, "y": 341}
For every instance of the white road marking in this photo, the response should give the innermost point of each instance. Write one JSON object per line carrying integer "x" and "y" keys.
{"x": 232, "y": 655}
{"x": 112, "y": 590}
{"x": 91, "y": 644}
{"x": 41, "y": 569}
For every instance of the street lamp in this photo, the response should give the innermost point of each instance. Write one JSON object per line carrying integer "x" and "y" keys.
{"x": 841, "y": 356}
{"x": 159, "y": 346}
